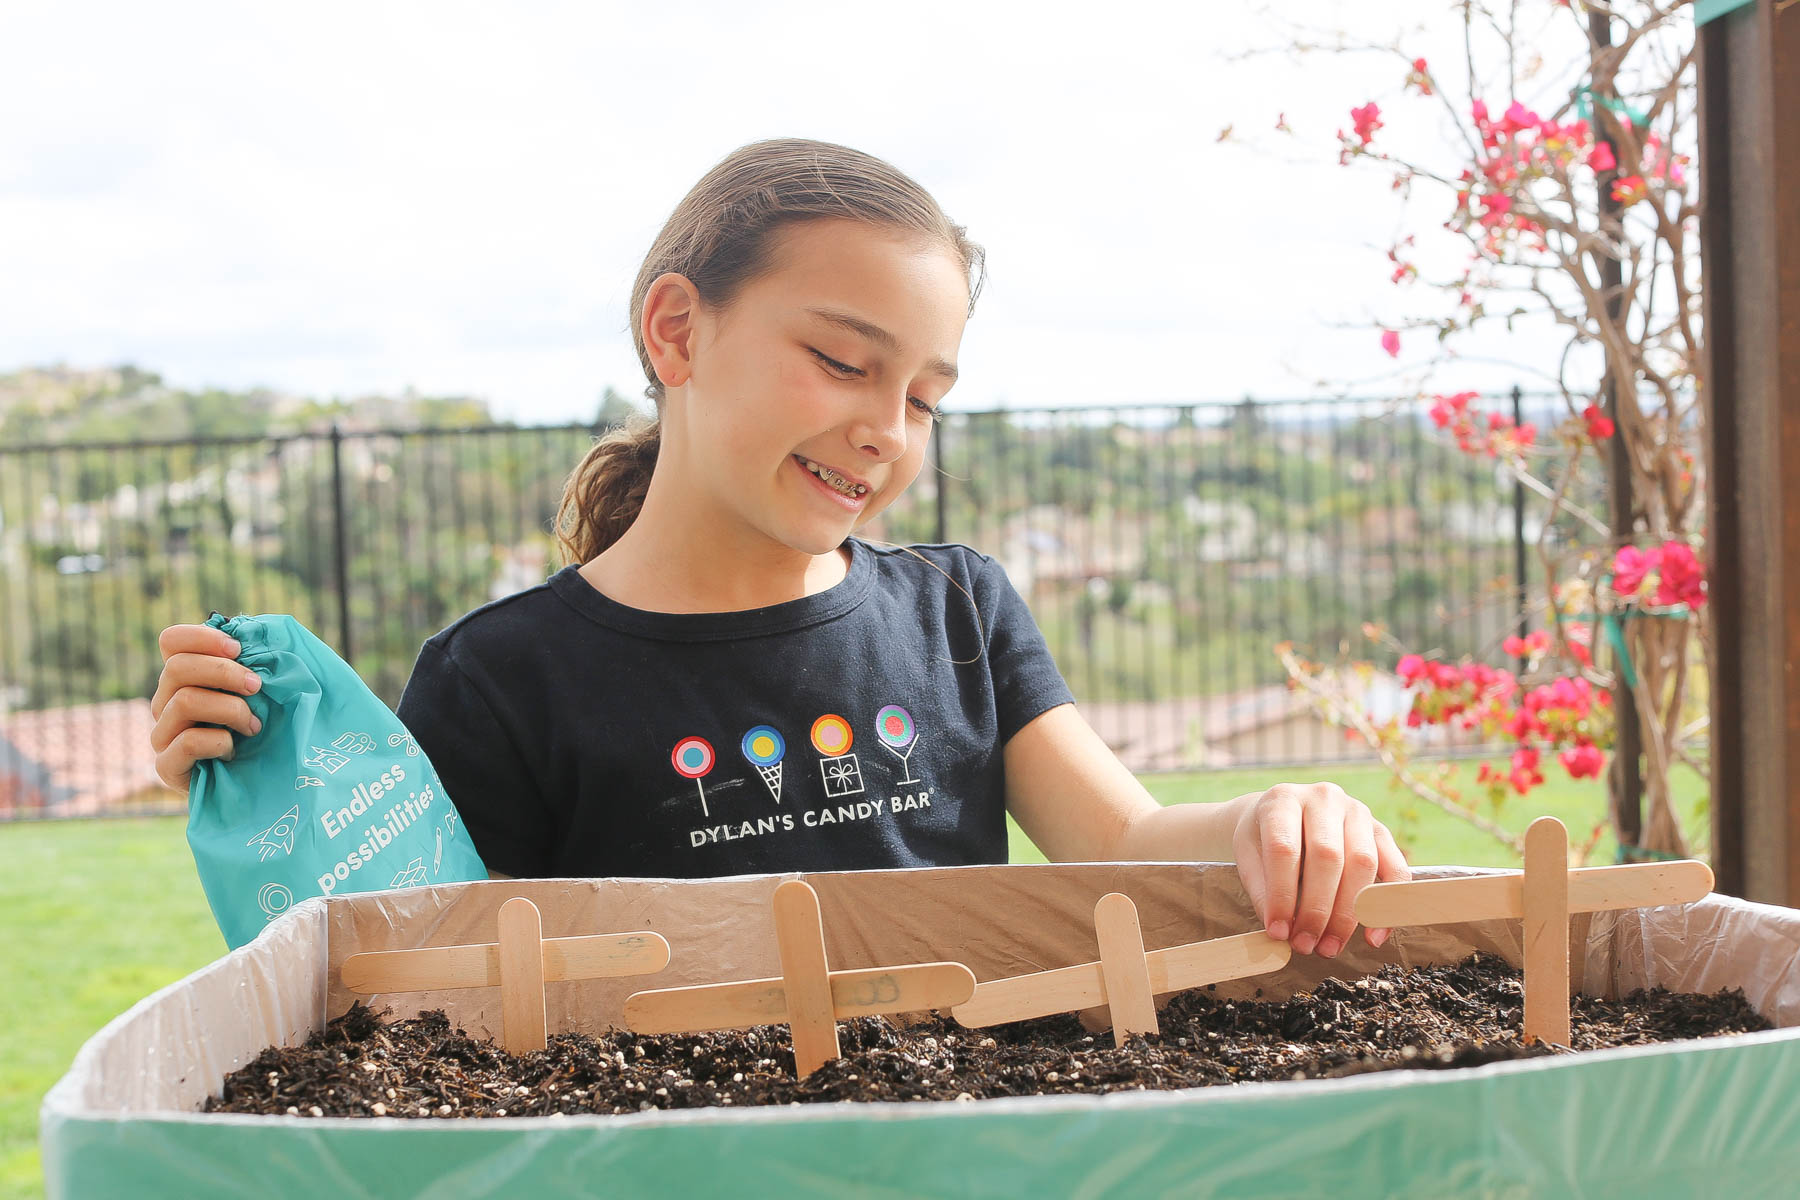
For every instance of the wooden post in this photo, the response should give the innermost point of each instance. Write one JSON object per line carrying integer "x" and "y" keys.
{"x": 1122, "y": 967}
{"x": 522, "y": 1020}
{"x": 805, "y": 979}
{"x": 1750, "y": 245}
{"x": 1547, "y": 932}
{"x": 519, "y": 964}
{"x": 809, "y": 996}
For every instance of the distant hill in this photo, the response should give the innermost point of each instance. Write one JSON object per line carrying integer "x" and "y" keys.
{"x": 113, "y": 404}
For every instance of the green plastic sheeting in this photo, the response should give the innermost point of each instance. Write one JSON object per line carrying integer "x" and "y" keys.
{"x": 1689, "y": 1119}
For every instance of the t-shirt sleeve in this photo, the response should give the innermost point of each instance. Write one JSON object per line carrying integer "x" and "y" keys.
{"x": 480, "y": 767}
{"x": 1026, "y": 681}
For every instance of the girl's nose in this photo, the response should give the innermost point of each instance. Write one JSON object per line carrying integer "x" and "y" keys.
{"x": 880, "y": 428}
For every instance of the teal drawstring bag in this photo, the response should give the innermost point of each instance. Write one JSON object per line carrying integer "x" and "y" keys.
{"x": 331, "y": 796}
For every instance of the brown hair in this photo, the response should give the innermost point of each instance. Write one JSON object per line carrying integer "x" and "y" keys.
{"x": 721, "y": 237}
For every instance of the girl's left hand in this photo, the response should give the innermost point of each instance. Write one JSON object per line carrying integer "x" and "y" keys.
{"x": 1304, "y": 852}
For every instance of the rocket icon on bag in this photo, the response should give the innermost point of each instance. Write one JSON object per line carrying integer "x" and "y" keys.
{"x": 278, "y": 837}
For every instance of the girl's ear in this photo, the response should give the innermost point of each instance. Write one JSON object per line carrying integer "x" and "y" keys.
{"x": 670, "y": 306}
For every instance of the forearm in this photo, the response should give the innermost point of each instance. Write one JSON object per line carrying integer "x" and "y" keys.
{"x": 1183, "y": 833}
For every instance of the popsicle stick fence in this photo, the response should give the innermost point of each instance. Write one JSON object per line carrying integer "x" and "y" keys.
{"x": 808, "y": 997}
{"x": 519, "y": 964}
{"x": 1126, "y": 977}
{"x": 1543, "y": 896}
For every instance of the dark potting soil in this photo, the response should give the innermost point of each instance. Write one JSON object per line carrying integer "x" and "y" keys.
{"x": 1430, "y": 1017}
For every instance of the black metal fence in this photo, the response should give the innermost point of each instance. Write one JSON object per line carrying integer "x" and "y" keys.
{"x": 1164, "y": 551}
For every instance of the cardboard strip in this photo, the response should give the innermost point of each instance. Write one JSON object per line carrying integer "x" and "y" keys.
{"x": 805, "y": 977}
{"x": 1124, "y": 972}
{"x": 1174, "y": 969}
{"x": 862, "y": 993}
{"x": 523, "y": 1026}
{"x": 1499, "y": 897}
{"x": 596, "y": 956}
{"x": 1546, "y": 885}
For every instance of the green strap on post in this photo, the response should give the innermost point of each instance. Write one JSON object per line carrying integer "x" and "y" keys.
{"x": 1585, "y": 98}
{"x": 1712, "y": 10}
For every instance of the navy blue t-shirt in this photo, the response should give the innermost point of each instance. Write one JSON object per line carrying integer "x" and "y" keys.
{"x": 858, "y": 728}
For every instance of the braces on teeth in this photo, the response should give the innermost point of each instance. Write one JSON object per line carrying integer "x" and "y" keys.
{"x": 834, "y": 480}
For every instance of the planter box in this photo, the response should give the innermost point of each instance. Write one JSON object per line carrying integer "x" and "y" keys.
{"x": 1710, "y": 1117}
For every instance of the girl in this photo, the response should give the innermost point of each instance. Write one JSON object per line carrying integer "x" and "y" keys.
{"x": 725, "y": 679}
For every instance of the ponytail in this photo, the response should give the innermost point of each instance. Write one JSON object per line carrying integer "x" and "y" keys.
{"x": 606, "y": 490}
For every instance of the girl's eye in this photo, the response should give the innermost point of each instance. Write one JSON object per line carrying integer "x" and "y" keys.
{"x": 835, "y": 365}
{"x": 854, "y": 372}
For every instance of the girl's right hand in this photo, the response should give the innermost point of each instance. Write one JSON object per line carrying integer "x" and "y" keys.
{"x": 200, "y": 683}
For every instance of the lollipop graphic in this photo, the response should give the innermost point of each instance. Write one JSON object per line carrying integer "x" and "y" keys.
{"x": 831, "y": 737}
{"x": 894, "y": 728}
{"x": 765, "y": 747}
{"x": 693, "y": 758}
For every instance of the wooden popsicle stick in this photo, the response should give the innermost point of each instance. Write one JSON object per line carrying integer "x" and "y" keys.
{"x": 595, "y": 956}
{"x": 522, "y": 1022}
{"x": 1197, "y": 964}
{"x": 805, "y": 976}
{"x": 1019, "y": 997}
{"x": 1500, "y": 897}
{"x": 1122, "y": 967}
{"x": 1174, "y": 969}
{"x": 1546, "y": 884}
{"x": 861, "y": 993}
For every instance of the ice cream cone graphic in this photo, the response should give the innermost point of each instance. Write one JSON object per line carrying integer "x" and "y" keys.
{"x": 764, "y": 747}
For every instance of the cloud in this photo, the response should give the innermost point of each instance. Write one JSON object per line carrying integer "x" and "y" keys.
{"x": 348, "y": 197}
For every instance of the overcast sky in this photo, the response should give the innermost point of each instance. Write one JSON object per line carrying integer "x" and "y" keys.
{"x": 334, "y": 199}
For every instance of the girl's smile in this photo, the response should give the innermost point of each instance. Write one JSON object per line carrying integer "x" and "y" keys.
{"x": 843, "y": 488}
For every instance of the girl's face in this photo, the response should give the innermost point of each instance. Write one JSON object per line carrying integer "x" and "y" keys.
{"x": 811, "y": 399}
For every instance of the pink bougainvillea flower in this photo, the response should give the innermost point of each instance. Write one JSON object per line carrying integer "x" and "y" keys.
{"x": 1518, "y": 119}
{"x": 1410, "y": 667}
{"x": 1581, "y": 640}
{"x": 1420, "y": 77}
{"x": 1367, "y": 120}
{"x": 1524, "y": 774}
{"x": 1630, "y": 565}
{"x": 1583, "y": 761}
{"x": 1390, "y": 341}
{"x": 1683, "y": 581}
{"x": 1601, "y": 157}
{"x": 1629, "y": 189}
{"x": 1599, "y": 425}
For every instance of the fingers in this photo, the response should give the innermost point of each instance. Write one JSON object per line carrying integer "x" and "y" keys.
{"x": 201, "y": 706}
{"x": 1360, "y": 864}
{"x": 186, "y": 669}
{"x": 1277, "y": 855}
{"x": 1392, "y": 868}
{"x": 201, "y": 687}
{"x": 175, "y": 763}
{"x": 196, "y": 639}
{"x": 1322, "y": 867}
{"x": 1305, "y": 853}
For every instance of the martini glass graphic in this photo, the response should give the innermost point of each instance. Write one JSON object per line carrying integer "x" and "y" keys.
{"x": 764, "y": 747}
{"x": 693, "y": 757}
{"x": 895, "y": 729}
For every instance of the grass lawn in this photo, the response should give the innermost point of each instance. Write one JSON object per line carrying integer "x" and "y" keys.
{"x": 1426, "y": 833}
{"x": 99, "y": 914}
